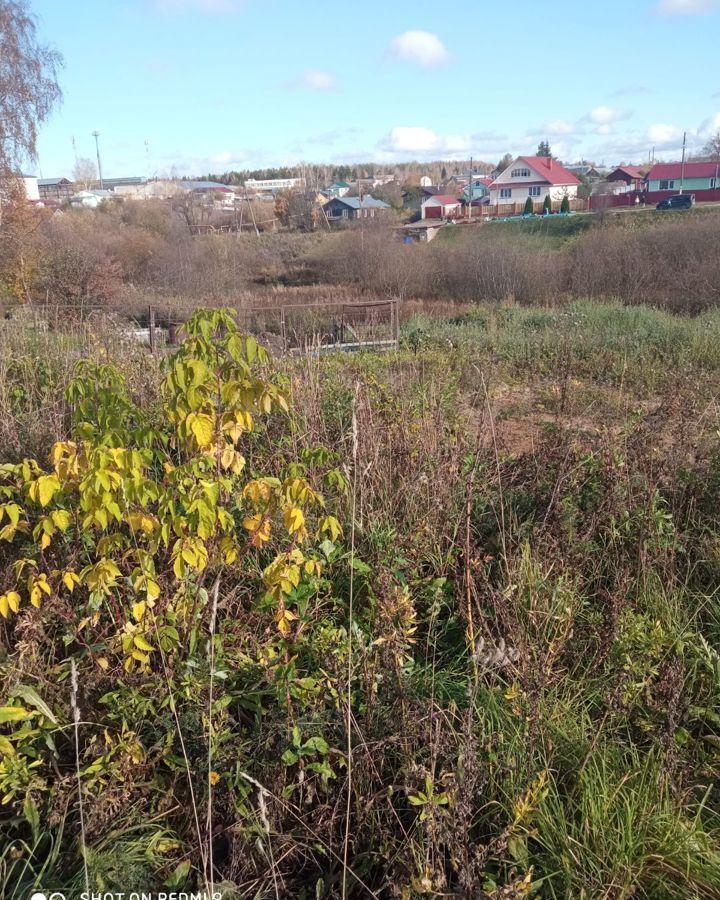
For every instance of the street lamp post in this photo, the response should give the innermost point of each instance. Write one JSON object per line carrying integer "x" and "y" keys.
{"x": 96, "y": 135}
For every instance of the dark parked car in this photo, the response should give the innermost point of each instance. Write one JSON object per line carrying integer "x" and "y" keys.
{"x": 679, "y": 201}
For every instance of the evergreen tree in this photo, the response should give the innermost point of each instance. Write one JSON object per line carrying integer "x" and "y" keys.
{"x": 565, "y": 205}
{"x": 543, "y": 149}
{"x": 547, "y": 205}
{"x": 529, "y": 207}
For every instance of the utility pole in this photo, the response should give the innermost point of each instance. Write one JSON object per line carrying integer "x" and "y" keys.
{"x": 96, "y": 135}
{"x": 682, "y": 168}
{"x": 470, "y": 189}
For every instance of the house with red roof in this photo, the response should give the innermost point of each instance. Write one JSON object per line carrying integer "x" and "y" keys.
{"x": 535, "y": 177}
{"x": 440, "y": 206}
{"x": 631, "y": 176}
{"x": 699, "y": 178}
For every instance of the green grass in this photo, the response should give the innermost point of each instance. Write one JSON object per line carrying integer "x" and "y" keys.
{"x": 544, "y": 479}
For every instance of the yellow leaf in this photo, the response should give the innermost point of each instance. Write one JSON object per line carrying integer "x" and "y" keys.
{"x": 331, "y": 526}
{"x": 61, "y": 519}
{"x": 141, "y": 657}
{"x": 5, "y": 746}
{"x": 44, "y": 489}
{"x": 13, "y": 513}
{"x": 202, "y": 427}
{"x": 153, "y": 589}
{"x": 138, "y": 610}
{"x": 70, "y": 579}
{"x": 294, "y": 519}
{"x": 103, "y": 663}
{"x": 142, "y": 644}
{"x": 4, "y": 606}
{"x": 45, "y": 541}
{"x": 13, "y": 599}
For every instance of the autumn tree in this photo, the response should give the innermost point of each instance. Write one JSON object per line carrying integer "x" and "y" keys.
{"x": 504, "y": 162}
{"x": 712, "y": 148}
{"x": 84, "y": 172}
{"x": 28, "y": 85}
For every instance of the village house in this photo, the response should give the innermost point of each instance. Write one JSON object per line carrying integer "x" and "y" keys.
{"x": 55, "y": 189}
{"x": 441, "y": 206}
{"x": 338, "y": 189}
{"x": 535, "y": 177}
{"x": 344, "y": 208}
{"x": 699, "y": 178}
{"x": 631, "y": 177}
{"x": 478, "y": 190}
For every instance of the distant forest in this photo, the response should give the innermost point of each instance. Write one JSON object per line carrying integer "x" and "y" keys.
{"x": 316, "y": 175}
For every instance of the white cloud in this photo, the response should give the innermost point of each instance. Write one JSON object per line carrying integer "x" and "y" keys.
{"x": 418, "y": 141}
{"x": 687, "y": 7}
{"x": 608, "y": 115}
{"x": 316, "y": 80}
{"x": 213, "y": 7}
{"x": 189, "y": 164}
{"x": 662, "y": 135}
{"x": 558, "y": 127}
{"x": 423, "y": 48}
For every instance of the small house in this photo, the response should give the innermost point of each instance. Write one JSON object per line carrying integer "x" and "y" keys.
{"x": 338, "y": 189}
{"x": 699, "y": 178}
{"x": 441, "y": 206}
{"x": 55, "y": 188}
{"x": 630, "y": 176}
{"x": 345, "y": 208}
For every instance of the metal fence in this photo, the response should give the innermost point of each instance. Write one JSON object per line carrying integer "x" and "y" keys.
{"x": 295, "y": 328}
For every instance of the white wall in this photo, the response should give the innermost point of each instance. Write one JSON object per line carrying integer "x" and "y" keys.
{"x": 520, "y": 186}
{"x": 31, "y": 187}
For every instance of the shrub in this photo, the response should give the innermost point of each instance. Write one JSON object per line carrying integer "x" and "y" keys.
{"x": 529, "y": 207}
{"x": 565, "y": 205}
{"x": 547, "y": 205}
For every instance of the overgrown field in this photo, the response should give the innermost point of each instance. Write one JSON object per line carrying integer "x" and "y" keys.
{"x": 435, "y": 623}
{"x": 128, "y": 256}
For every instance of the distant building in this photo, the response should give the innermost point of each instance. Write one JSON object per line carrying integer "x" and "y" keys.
{"x": 30, "y": 183}
{"x": 90, "y": 199}
{"x": 632, "y": 177}
{"x": 273, "y": 184}
{"x": 585, "y": 170}
{"x": 340, "y": 208}
{"x": 338, "y": 189}
{"x": 425, "y": 181}
{"x": 479, "y": 189}
{"x": 536, "y": 177}
{"x": 441, "y": 206}
{"x": 58, "y": 189}
{"x": 699, "y": 178}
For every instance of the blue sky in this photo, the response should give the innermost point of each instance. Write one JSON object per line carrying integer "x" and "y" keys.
{"x": 218, "y": 84}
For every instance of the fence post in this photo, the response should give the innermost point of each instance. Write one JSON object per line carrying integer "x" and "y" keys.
{"x": 396, "y": 323}
{"x": 283, "y": 330}
{"x": 151, "y": 329}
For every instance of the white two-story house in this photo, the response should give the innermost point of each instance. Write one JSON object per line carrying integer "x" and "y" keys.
{"x": 535, "y": 177}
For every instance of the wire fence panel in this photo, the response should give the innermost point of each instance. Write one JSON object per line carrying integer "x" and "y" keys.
{"x": 288, "y": 329}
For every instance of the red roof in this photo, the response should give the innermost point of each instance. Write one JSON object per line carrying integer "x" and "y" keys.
{"x": 445, "y": 199}
{"x": 485, "y": 179}
{"x": 675, "y": 170}
{"x": 550, "y": 169}
{"x": 630, "y": 171}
